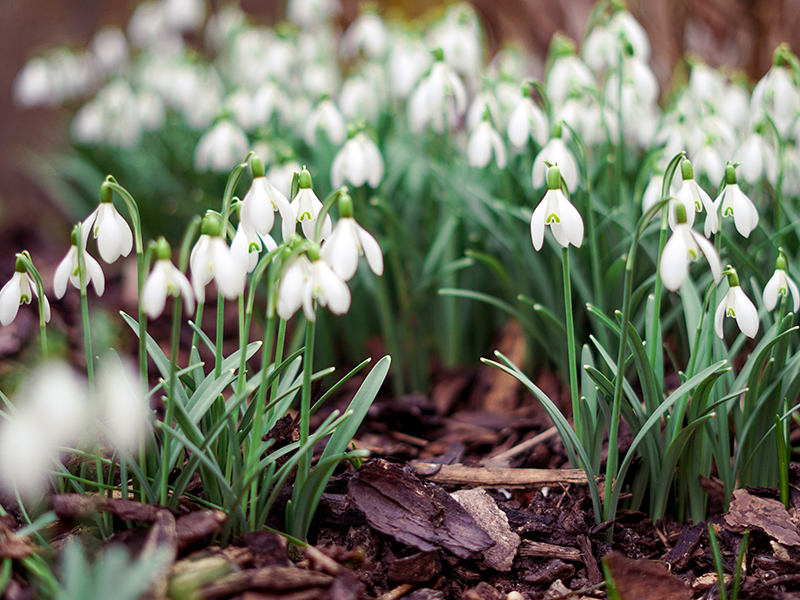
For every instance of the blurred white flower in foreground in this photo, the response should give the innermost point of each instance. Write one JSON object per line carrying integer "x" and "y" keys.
{"x": 123, "y": 408}
{"x": 439, "y": 99}
{"x": 308, "y": 279}
{"x": 555, "y": 152}
{"x": 483, "y": 143}
{"x": 51, "y": 410}
{"x": 736, "y": 304}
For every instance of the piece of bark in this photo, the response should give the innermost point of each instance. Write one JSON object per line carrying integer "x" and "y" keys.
{"x": 162, "y": 540}
{"x": 644, "y": 579}
{"x": 426, "y": 594}
{"x": 12, "y": 545}
{"x": 414, "y": 512}
{"x": 531, "y": 548}
{"x": 74, "y": 506}
{"x": 592, "y": 570}
{"x": 482, "y": 591}
{"x": 499, "y": 477}
{"x": 558, "y": 590}
{"x": 764, "y": 514}
{"x": 196, "y": 525}
{"x": 548, "y": 572}
{"x": 680, "y": 554}
{"x": 417, "y": 568}
{"x": 493, "y": 521}
{"x": 346, "y": 587}
{"x": 270, "y": 579}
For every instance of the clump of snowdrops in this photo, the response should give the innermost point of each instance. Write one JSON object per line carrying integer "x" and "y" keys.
{"x": 684, "y": 330}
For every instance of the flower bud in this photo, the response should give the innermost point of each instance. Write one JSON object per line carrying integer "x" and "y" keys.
{"x": 733, "y": 278}
{"x": 553, "y": 178}
{"x": 345, "y": 204}
{"x": 305, "y": 179}
{"x": 687, "y": 171}
{"x": 163, "y": 250}
{"x": 19, "y": 266}
{"x": 211, "y": 224}
{"x": 106, "y": 193}
{"x": 257, "y": 166}
{"x": 730, "y": 175}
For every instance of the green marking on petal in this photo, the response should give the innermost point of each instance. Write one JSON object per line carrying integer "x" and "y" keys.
{"x": 552, "y": 218}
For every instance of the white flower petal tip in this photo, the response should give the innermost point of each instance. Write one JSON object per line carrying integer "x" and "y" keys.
{"x": 67, "y": 272}
{"x": 359, "y": 162}
{"x": 734, "y": 203}
{"x": 346, "y": 243}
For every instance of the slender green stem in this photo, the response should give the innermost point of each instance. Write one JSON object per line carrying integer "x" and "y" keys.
{"x": 305, "y": 403}
{"x": 571, "y": 352}
{"x": 220, "y": 335}
{"x": 169, "y": 416}
{"x": 41, "y": 298}
{"x": 87, "y": 334}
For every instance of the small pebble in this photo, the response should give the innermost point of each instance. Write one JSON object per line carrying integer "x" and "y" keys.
{"x": 515, "y": 595}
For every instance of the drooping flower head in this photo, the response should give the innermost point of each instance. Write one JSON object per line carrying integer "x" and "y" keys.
{"x": 438, "y": 99}
{"x": 212, "y": 259}
{"x": 359, "y": 162}
{"x": 691, "y": 194}
{"x": 165, "y": 280}
{"x": 684, "y": 246}
{"x": 733, "y": 202}
{"x": 736, "y": 304}
{"x": 260, "y": 204}
{"x": 113, "y": 235}
{"x": 309, "y": 278}
{"x": 485, "y": 142}
{"x": 348, "y": 241}
{"x": 556, "y": 211}
{"x": 307, "y": 207}
{"x": 69, "y": 269}
{"x": 527, "y": 121}
{"x": 20, "y": 289}
{"x": 780, "y": 284}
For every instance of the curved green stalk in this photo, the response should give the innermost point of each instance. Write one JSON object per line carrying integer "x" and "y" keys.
{"x": 25, "y": 257}
{"x": 572, "y": 360}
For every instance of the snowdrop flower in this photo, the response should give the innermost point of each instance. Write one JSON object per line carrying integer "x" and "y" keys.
{"x": 555, "y": 210}
{"x": 438, "y": 99}
{"x": 113, "y": 235}
{"x": 325, "y": 117}
{"x": 409, "y": 60}
{"x": 165, "y": 280}
{"x": 184, "y": 15}
{"x": 527, "y": 121}
{"x": 20, "y": 289}
{"x": 556, "y": 152}
{"x": 367, "y": 34}
{"x": 68, "y": 270}
{"x": 262, "y": 200}
{"x": 307, "y": 206}
{"x": 777, "y": 95}
{"x": 348, "y": 241}
{"x": 685, "y": 245}
{"x": 51, "y": 411}
{"x": 310, "y": 278}
{"x": 757, "y": 158}
{"x": 280, "y": 175}
{"x": 110, "y": 49}
{"x": 691, "y": 194}
{"x": 602, "y": 47}
{"x": 124, "y": 410}
{"x": 312, "y": 14}
{"x": 360, "y": 98}
{"x": 780, "y": 284}
{"x": 358, "y": 162}
{"x": 221, "y": 148}
{"x": 33, "y": 85}
{"x": 568, "y": 73}
{"x": 212, "y": 259}
{"x": 733, "y": 202}
{"x": 247, "y": 248}
{"x": 736, "y": 304}
{"x": 483, "y": 142}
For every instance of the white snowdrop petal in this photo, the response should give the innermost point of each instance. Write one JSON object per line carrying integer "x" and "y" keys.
{"x": 772, "y": 291}
{"x": 538, "y": 224}
{"x": 95, "y": 274}
{"x": 9, "y": 300}
{"x": 154, "y": 293}
{"x": 372, "y": 250}
{"x": 674, "y": 264}
{"x": 746, "y": 313}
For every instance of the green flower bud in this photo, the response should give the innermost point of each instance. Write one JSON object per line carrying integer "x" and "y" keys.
{"x": 730, "y": 174}
{"x": 313, "y": 252}
{"x": 733, "y": 278}
{"x": 163, "y": 250}
{"x": 19, "y": 266}
{"x": 345, "y": 203}
{"x": 438, "y": 54}
{"x": 106, "y": 193}
{"x": 73, "y": 236}
{"x": 211, "y": 225}
{"x": 553, "y": 178}
{"x": 687, "y": 171}
{"x": 257, "y": 166}
{"x": 780, "y": 264}
{"x": 561, "y": 45}
{"x": 557, "y": 130}
{"x": 305, "y": 179}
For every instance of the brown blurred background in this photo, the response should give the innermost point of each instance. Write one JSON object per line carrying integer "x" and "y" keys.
{"x": 740, "y": 33}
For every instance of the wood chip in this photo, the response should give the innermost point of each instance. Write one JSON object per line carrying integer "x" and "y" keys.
{"x": 644, "y": 579}
{"x": 500, "y": 478}
{"x": 417, "y": 568}
{"x": 680, "y": 554}
{"x": 592, "y": 570}
{"x": 483, "y": 509}
{"x": 530, "y": 548}
{"x": 415, "y": 512}
{"x": 270, "y": 579}
{"x": 767, "y": 515}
